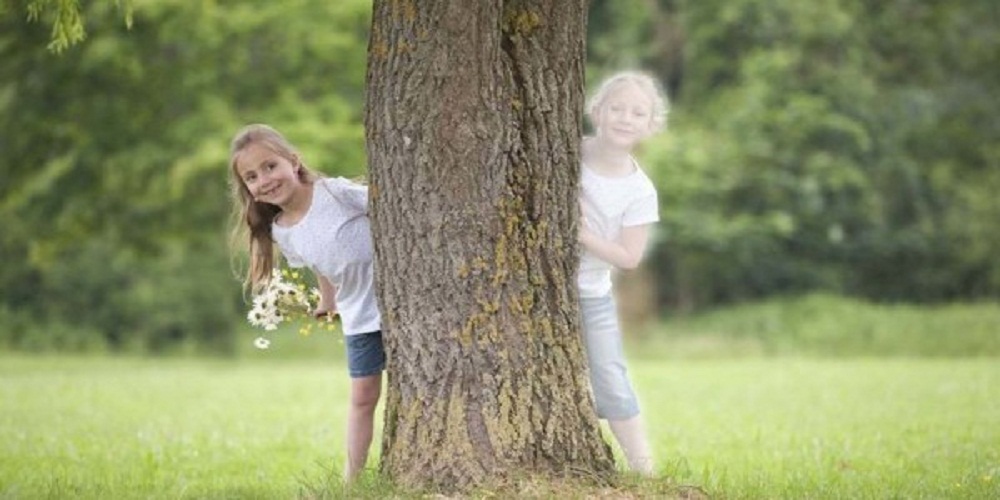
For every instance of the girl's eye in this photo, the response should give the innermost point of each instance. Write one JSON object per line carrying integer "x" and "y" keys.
{"x": 271, "y": 165}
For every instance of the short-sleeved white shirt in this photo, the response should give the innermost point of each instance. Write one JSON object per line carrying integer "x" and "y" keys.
{"x": 609, "y": 204}
{"x": 334, "y": 240}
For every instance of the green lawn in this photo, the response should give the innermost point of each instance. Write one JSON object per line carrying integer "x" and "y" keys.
{"x": 269, "y": 428}
{"x": 828, "y": 429}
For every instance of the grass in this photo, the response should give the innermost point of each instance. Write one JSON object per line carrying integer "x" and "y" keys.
{"x": 828, "y": 428}
{"x": 264, "y": 427}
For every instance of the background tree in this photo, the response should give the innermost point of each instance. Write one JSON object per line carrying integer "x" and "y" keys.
{"x": 826, "y": 145}
{"x": 473, "y": 122}
{"x": 114, "y": 155}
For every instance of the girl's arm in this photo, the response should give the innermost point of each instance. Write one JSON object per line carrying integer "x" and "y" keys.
{"x": 626, "y": 253}
{"x": 327, "y": 298}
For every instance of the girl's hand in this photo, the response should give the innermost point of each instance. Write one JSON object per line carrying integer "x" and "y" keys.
{"x": 324, "y": 313}
{"x": 327, "y": 307}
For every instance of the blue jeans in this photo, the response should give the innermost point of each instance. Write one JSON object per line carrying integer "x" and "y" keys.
{"x": 614, "y": 398}
{"x": 365, "y": 354}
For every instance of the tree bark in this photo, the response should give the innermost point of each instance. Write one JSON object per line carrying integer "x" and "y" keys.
{"x": 473, "y": 118}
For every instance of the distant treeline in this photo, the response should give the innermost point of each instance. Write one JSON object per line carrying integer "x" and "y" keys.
{"x": 827, "y": 145}
{"x": 831, "y": 145}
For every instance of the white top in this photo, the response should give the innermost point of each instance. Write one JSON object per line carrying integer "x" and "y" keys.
{"x": 609, "y": 204}
{"x": 334, "y": 240}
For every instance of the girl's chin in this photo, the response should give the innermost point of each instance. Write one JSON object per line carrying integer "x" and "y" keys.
{"x": 271, "y": 200}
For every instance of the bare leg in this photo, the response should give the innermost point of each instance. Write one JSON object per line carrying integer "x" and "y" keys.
{"x": 365, "y": 392}
{"x": 631, "y": 435}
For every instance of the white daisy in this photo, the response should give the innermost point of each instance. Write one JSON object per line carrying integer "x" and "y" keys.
{"x": 281, "y": 301}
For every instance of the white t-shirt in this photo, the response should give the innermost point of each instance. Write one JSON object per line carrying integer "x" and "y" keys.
{"x": 334, "y": 240}
{"x": 609, "y": 204}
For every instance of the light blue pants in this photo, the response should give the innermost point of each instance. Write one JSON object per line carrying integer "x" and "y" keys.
{"x": 613, "y": 395}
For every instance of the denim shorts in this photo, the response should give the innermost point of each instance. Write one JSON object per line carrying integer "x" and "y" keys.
{"x": 614, "y": 398}
{"x": 365, "y": 354}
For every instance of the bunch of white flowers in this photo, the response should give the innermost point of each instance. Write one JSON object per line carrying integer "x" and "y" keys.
{"x": 284, "y": 298}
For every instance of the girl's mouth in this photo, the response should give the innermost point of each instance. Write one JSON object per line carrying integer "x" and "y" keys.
{"x": 269, "y": 192}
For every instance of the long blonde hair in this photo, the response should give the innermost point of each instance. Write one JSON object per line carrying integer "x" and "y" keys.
{"x": 252, "y": 219}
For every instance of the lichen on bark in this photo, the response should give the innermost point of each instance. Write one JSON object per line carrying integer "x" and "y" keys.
{"x": 472, "y": 139}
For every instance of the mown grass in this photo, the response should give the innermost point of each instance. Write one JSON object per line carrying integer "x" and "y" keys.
{"x": 267, "y": 428}
{"x": 811, "y": 397}
{"x": 801, "y": 428}
{"x": 130, "y": 428}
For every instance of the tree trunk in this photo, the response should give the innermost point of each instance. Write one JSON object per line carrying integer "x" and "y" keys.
{"x": 473, "y": 121}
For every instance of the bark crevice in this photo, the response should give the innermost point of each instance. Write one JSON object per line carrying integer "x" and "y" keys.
{"x": 473, "y": 118}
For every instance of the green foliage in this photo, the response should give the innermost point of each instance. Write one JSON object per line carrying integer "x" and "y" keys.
{"x": 115, "y": 151}
{"x": 108, "y": 298}
{"x": 831, "y": 145}
{"x": 821, "y": 145}
{"x": 826, "y": 325}
{"x": 635, "y": 34}
{"x": 65, "y": 17}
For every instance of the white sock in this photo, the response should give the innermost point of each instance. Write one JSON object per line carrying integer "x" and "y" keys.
{"x": 631, "y": 435}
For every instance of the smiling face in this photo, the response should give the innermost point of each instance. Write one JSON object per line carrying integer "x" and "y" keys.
{"x": 268, "y": 176}
{"x": 625, "y": 116}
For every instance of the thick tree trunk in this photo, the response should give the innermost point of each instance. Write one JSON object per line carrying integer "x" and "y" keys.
{"x": 473, "y": 121}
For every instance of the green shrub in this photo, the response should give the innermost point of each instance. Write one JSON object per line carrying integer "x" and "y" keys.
{"x": 822, "y": 324}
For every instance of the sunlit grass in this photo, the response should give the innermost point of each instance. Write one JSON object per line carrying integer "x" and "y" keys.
{"x": 117, "y": 428}
{"x": 267, "y": 428}
{"x": 828, "y": 429}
